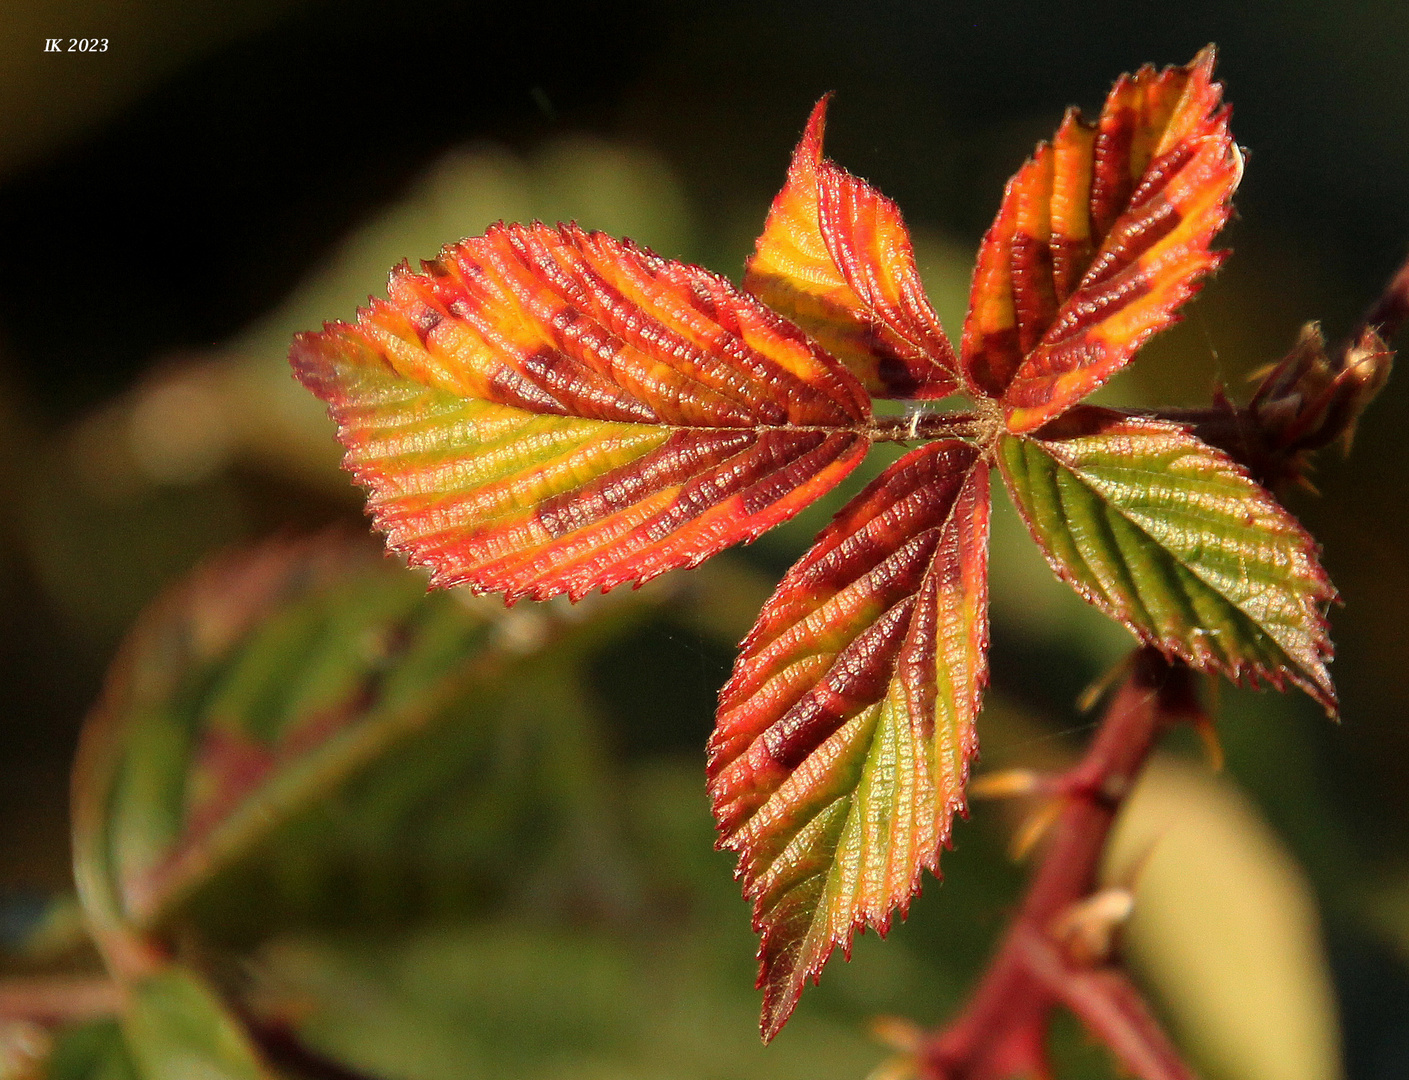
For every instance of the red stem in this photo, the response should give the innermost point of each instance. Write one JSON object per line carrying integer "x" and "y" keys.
{"x": 994, "y": 1037}
{"x": 924, "y": 425}
{"x": 58, "y": 999}
{"x": 1391, "y": 311}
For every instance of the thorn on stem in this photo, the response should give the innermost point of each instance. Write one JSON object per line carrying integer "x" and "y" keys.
{"x": 1087, "y": 929}
{"x": 1213, "y": 746}
{"x": 897, "y": 1033}
{"x": 903, "y": 1036}
{"x": 895, "y": 1068}
{"x": 1092, "y": 695}
{"x": 1035, "y": 827}
{"x": 1011, "y": 783}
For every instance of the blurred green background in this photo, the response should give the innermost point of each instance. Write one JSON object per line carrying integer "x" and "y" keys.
{"x": 173, "y": 209}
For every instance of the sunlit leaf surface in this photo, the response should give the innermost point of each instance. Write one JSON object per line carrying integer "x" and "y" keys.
{"x": 836, "y": 258}
{"x": 1101, "y": 235}
{"x": 1172, "y": 538}
{"x": 546, "y": 410}
{"x": 846, "y": 731}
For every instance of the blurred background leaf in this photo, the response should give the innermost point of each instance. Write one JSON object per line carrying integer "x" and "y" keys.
{"x": 91, "y": 1051}
{"x": 1226, "y": 927}
{"x": 241, "y": 698}
{"x": 177, "y": 1029}
{"x": 172, "y": 210}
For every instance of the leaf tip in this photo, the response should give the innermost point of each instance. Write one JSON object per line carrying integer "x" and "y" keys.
{"x": 812, "y": 134}
{"x": 775, "y": 1014}
{"x": 1205, "y": 60}
{"x": 781, "y": 977}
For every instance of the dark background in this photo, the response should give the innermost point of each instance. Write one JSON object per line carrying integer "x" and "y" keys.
{"x": 158, "y": 199}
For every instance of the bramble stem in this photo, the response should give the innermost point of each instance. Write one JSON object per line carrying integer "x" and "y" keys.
{"x": 52, "y": 1000}
{"x": 1309, "y": 400}
{"x": 924, "y": 426}
{"x": 1390, "y": 312}
{"x": 1002, "y": 1031}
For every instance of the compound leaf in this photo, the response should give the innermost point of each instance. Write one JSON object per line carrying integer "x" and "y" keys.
{"x": 546, "y": 410}
{"x": 1173, "y": 539}
{"x": 836, "y": 258}
{"x": 1101, "y": 236}
{"x": 845, "y": 733}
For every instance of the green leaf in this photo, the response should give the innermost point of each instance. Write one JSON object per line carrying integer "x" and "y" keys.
{"x": 1173, "y": 539}
{"x": 508, "y": 803}
{"x": 90, "y": 1051}
{"x": 177, "y": 1029}
{"x": 241, "y": 697}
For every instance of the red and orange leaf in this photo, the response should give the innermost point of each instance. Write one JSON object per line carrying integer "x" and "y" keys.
{"x": 1101, "y": 236}
{"x": 547, "y": 410}
{"x": 1175, "y": 540}
{"x": 845, "y": 733}
{"x": 836, "y": 258}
